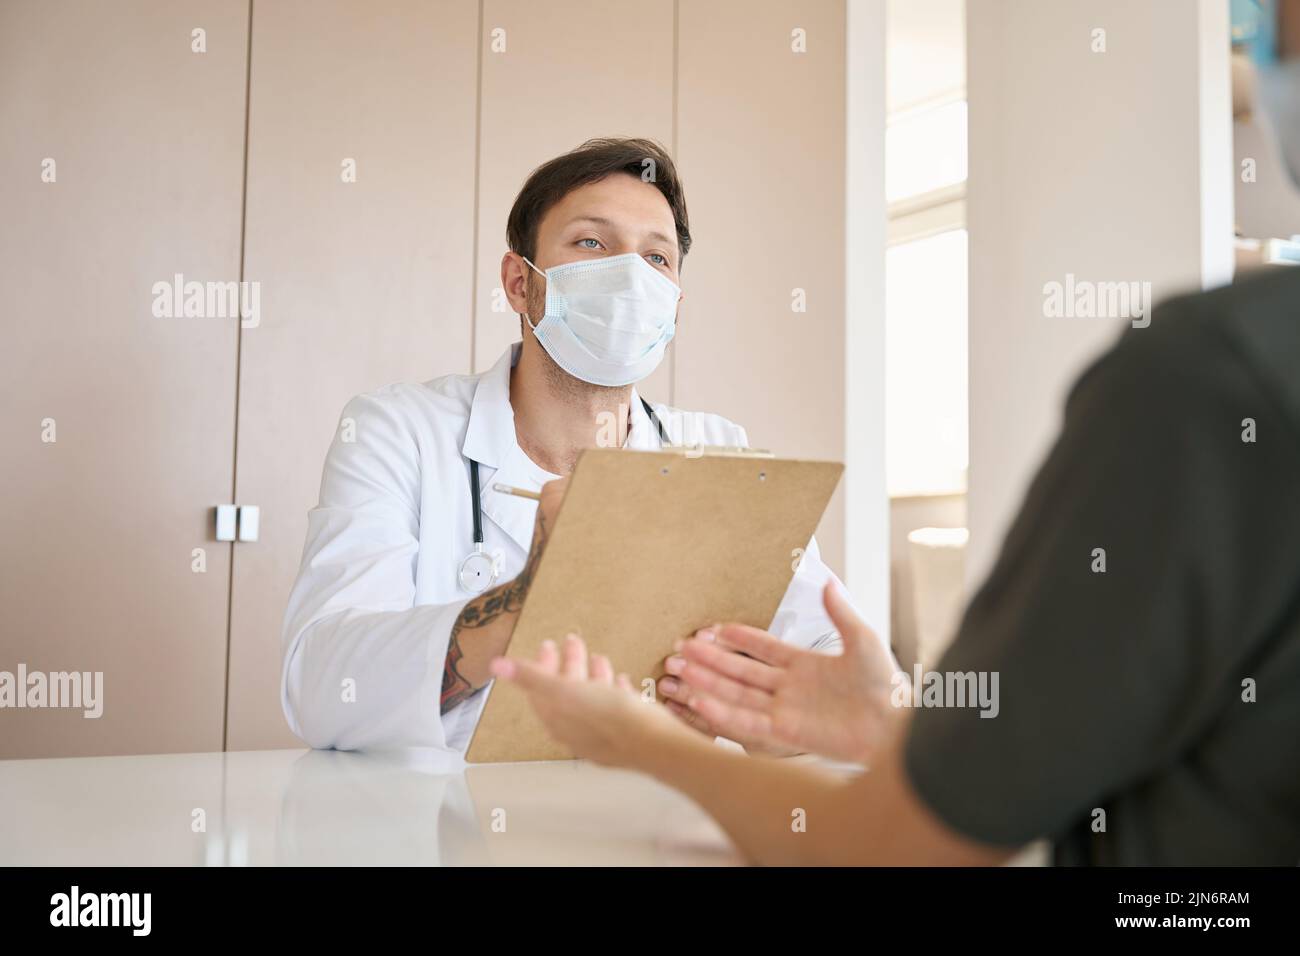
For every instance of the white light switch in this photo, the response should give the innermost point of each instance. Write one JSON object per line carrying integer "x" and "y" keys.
{"x": 249, "y": 518}
{"x": 225, "y": 522}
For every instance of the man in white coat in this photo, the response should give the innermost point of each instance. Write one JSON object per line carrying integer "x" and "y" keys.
{"x": 414, "y": 568}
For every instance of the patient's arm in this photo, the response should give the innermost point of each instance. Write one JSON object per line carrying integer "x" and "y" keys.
{"x": 783, "y": 813}
{"x": 777, "y": 812}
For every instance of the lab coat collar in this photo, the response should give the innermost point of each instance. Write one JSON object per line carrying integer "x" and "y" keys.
{"x": 490, "y": 434}
{"x": 642, "y": 434}
{"x": 490, "y": 440}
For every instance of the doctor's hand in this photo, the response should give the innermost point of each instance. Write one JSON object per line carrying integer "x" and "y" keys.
{"x": 548, "y": 507}
{"x": 583, "y": 705}
{"x": 834, "y": 705}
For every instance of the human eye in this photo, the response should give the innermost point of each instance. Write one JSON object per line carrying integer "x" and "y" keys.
{"x": 595, "y": 243}
{"x": 658, "y": 259}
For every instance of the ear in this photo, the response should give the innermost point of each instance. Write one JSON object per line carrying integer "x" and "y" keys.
{"x": 514, "y": 277}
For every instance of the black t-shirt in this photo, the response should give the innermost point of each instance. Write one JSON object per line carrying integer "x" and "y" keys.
{"x": 1164, "y": 691}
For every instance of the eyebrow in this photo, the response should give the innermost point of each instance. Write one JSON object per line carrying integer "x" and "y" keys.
{"x": 601, "y": 221}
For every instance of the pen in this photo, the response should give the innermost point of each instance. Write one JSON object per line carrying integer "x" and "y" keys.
{"x": 517, "y": 492}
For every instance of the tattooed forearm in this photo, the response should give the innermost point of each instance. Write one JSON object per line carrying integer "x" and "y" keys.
{"x": 482, "y": 612}
{"x": 455, "y": 688}
{"x": 479, "y": 613}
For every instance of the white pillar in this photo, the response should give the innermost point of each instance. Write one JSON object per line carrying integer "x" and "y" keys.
{"x": 866, "y": 497}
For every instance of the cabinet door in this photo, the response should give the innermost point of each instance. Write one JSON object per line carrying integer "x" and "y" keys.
{"x": 761, "y": 142}
{"x": 121, "y": 167}
{"x": 363, "y": 282}
{"x": 556, "y": 74}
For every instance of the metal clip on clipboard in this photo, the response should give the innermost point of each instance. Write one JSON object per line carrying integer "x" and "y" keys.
{"x": 716, "y": 451}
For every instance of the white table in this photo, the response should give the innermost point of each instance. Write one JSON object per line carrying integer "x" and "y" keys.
{"x": 289, "y": 807}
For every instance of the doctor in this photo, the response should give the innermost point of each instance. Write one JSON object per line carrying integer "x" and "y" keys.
{"x": 415, "y": 568}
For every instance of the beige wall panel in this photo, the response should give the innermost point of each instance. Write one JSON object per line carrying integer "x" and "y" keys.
{"x": 98, "y": 527}
{"x": 761, "y": 140}
{"x": 571, "y": 70}
{"x": 1064, "y": 182}
{"x": 363, "y": 283}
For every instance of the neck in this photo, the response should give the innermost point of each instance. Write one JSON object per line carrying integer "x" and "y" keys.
{"x": 557, "y": 415}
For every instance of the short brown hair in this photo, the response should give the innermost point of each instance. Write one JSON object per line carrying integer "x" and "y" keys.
{"x": 592, "y": 161}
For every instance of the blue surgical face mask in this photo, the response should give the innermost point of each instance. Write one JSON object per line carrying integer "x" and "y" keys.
{"x": 607, "y": 320}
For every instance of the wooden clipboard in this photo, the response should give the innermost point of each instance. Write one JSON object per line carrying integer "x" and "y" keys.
{"x": 648, "y": 547}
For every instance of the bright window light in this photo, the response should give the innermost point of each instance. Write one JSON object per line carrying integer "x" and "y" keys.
{"x": 925, "y": 150}
{"x": 926, "y": 450}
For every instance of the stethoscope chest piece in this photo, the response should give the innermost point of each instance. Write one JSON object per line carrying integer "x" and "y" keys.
{"x": 479, "y": 570}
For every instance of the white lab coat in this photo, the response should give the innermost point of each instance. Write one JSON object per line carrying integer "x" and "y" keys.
{"x": 368, "y": 621}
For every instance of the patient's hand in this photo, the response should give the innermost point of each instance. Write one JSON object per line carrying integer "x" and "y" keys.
{"x": 584, "y": 706}
{"x": 834, "y": 705}
{"x": 677, "y": 696}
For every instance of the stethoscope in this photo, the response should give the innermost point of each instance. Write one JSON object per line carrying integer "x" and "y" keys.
{"x": 480, "y": 570}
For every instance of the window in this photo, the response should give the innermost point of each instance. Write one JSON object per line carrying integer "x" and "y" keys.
{"x": 925, "y": 365}
{"x": 926, "y": 451}
{"x": 925, "y": 150}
